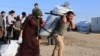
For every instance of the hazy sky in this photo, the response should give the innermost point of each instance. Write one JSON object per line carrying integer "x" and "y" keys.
{"x": 84, "y": 9}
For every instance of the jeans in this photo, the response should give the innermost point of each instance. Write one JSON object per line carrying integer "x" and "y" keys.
{"x": 16, "y": 34}
{"x": 9, "y": 30}
{"x": 51, "y": 40}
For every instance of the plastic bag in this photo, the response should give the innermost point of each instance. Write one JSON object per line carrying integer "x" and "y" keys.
{"x": 20, "y": 40}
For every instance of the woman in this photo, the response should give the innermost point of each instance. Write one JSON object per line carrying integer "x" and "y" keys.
{"x": 30, "y": 44}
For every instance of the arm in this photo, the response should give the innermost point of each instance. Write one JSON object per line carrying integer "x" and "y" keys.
{"x": 15, "y": 27}
{"x": 21, "y": 33}
{"x": 72, "y": 24}
{"x": 64, "y": 19}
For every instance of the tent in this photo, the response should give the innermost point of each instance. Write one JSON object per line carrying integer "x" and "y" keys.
{"x": 95, "y": 24}
{"x": 83, "y": 26}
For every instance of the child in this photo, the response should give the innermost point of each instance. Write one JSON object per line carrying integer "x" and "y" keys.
{"x": 17, "y": 28}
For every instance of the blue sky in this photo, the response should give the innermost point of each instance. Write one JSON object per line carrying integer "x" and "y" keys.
{"x": 84, "y": 9}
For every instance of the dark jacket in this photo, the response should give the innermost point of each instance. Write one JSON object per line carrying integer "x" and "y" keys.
{"x": 2, "y": 22}
{"x": 36, "y": 12}
{"x": 2, "y": 25}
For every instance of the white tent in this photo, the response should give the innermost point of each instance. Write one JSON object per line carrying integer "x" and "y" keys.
{"x": 83, "y": 26}
{"x": 95, "y": 24}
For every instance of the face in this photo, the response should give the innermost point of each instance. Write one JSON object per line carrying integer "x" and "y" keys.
{"x": 70, "y": 17}
{"x": 3, "y": 14}
{"x": 12, "y": 14}
{"x": 36, "y": 6}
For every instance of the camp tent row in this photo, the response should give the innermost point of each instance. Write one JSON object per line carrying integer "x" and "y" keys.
{"x": 89, "y": 26}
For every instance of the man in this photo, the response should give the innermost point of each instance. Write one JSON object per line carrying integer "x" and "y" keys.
{"x": 37, "y": 13}
{"x": 59, "y": 30}
{"x": 10, "y": 21}
{"x": 23, "y": 17}
{"x": 2, "y": 26}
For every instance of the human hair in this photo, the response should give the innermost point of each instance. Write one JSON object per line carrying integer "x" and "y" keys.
{"x": 2, "y": 12}
{"x": 18, "y": 18}
{"x": 35, "y": 4}
{"x": 23, "y": 13}
{"x": 12, "y": 11}
{"x": 70, "y": 12}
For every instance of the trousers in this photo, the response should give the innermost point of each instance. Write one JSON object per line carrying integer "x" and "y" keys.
{"x": 59, "y": 45}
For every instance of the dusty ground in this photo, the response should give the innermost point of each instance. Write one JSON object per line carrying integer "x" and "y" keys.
{"x": 76, "y": 44}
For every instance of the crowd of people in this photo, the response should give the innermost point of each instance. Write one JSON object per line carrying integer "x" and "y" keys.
{"x": 22, "y": 27}
{"x": 10, "y": 26}
{"x": 28, "y": 28}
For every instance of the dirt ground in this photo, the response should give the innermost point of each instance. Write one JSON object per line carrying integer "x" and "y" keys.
{"x": 76, "y": 44}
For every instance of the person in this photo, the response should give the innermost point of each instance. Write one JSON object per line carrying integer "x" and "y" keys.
{"x": 2, "y": 27}
{"x": 37, "y": 13}
{"x": 23, "y": 17}
{"x": 17, "y": 28}
{"x": 58, "y": 32}
{"x": 51, "y": 40}
{"x": 10, "y": 21}
{"x": 30, "y": 44}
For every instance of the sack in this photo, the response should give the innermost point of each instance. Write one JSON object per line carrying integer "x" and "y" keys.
{"x": 49, "y": 25}
{"x": 62, "y": 9}
{"x": 52, "y": 20}
{"x": 20, "y": 40}
{"x": 9, "y": 49}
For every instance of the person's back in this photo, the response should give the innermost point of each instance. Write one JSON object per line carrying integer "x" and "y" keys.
{"x": 18, "y": 24}
{"x": 60, "y": 28}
